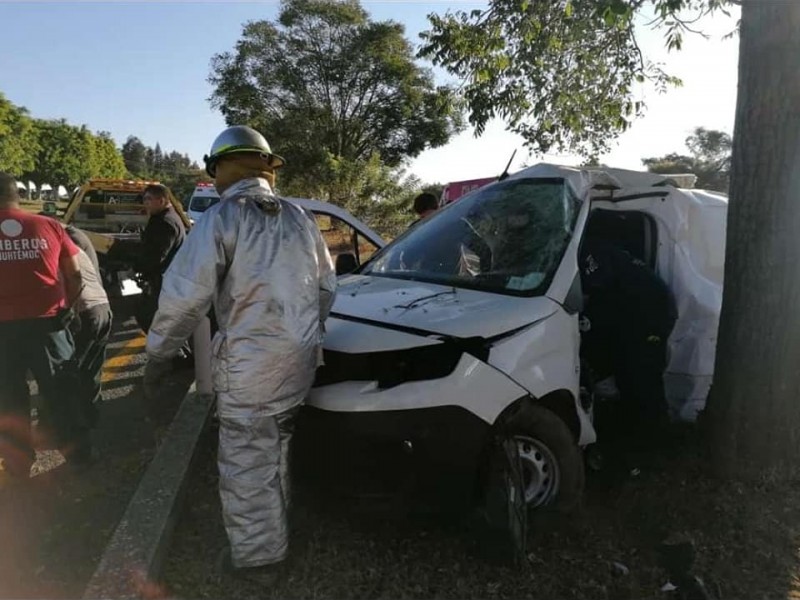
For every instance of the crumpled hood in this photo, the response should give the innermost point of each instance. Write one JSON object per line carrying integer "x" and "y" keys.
{"x": 434, "y": 308}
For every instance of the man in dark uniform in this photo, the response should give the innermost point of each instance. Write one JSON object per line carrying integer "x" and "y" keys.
{"x": 631, "y": 313}
{"x": 161, "y": 239}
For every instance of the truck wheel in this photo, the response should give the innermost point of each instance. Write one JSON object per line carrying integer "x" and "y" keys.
{"x": 550, "y": 461}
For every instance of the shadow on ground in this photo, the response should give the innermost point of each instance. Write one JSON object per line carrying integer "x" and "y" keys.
{"x": 746, "y": 539}
{"x": 55, "y": 525}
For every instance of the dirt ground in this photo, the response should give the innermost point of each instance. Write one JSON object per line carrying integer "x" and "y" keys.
{"x": 55, "y": 525}
{"x": 746, "y": 540}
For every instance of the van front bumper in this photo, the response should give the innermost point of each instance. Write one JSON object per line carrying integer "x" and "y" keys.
{"x": 438, "y": 448}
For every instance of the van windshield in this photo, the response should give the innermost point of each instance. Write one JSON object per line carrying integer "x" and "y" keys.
{"x": 506, "y": 238}
{"x": 202, "y": 203}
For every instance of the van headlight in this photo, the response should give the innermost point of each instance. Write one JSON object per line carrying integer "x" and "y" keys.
{"x": 391, "y": 368}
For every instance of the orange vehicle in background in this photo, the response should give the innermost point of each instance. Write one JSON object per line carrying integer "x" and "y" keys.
{"x": 111, "y": 213}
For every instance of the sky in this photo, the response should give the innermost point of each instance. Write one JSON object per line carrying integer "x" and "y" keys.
{"x": 140, "y": 68}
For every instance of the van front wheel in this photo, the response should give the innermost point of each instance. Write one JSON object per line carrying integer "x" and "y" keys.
{"x": 549, "y": 461}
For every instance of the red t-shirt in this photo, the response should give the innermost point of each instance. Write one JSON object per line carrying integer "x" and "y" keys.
{"x": 32, "y": 250}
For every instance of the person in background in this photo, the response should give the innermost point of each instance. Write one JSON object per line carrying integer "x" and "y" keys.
{"x": 161, "y": 239}
{"x": 425, "y": 205}
{"x": 42, "y": 262}
{"x": 94, "y": 319}
{"x": 264, "y": 266}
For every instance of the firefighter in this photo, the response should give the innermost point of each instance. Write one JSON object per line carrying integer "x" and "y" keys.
{"x": 264, "y": 266}
{"x": 631, "y": 313}
{"x": 42, "y": 262}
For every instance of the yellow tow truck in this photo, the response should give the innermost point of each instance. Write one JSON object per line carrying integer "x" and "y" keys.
{"x": 111, "y": 213}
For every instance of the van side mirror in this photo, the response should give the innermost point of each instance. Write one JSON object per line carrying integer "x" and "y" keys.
{"x": 573, "y": 303}
{"x": 346, "y": 263}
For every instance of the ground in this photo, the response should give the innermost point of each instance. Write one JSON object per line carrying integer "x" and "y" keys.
{"x": 56, "y": 524}
{"x": 746, "y": 538}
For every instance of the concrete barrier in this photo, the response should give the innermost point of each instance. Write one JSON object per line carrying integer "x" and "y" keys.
{"x": 134, "y": 556}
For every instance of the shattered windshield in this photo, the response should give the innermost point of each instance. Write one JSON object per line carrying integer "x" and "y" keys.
{"x": 506, "y": 238}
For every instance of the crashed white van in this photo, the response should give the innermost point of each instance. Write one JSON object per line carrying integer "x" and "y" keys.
{"x": 464, "y": 331}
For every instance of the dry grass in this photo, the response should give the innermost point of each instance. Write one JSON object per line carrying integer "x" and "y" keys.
{"x": 746, "y": 539}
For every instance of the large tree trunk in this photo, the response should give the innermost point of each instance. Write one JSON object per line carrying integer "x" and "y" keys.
{"x": 754, "y": 411}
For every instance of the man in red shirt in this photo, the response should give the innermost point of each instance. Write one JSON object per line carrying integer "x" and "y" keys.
{"x": 39, "y": 280}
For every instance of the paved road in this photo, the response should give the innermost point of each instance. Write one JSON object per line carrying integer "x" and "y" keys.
{"x": 55, "y": 525}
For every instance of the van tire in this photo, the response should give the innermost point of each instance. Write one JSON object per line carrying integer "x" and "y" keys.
{"x": 548, "y": 429}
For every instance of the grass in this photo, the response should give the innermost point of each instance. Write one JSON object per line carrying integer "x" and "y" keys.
{"x": 36, "y": 206}
{"x": 746, "y": 538}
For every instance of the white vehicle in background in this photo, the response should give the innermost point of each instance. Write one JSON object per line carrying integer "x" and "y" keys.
{"x": 204, "y": 197}
{"x": 457, "y": 345}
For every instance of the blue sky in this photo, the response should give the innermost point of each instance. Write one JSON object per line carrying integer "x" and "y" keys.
{"x": 140, "y": 68}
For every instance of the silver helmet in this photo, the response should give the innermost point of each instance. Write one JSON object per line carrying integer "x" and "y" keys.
{"x": 240, "y": 138}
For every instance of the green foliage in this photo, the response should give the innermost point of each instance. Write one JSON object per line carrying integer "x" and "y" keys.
{"x": 17, "y": 139}
{"x": 53, "y": 151}
{"x": 325, "y": 80}
{"x": 379, "y": 195}
{"x": 175, "y": 170}
{"x": 710, "y": 159}
{"x": 434, "y": 188}
{"x": 134, "y": 153}
{"x": 68, "y": 155}
{"x": 64, "y": 156}
{"x": 561, "y": 73}
{"x": 107, "y": 160}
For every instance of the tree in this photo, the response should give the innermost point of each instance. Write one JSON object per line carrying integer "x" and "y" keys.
{"x": 528, "y": 62}
{"x": 107, "y": 161}
{"x": 379, "y": 194}
{"x": 54, "y": 151}
{"x": 710, "y": 159}
{"x": 64, "y": 156}
{"x": 69, "y": 155}
{"x": 17, "y": 139}
{"x": 180, "y": 173}
{"x": 433, "y": 188}
{"x": 177, "y": 171}
{"x": 134, "y": 153}
{"x": 158, "y": 159}
{"x": 754, "y": 411}
{"x": 560, "y": 73}
{"x": 326, "y": 80}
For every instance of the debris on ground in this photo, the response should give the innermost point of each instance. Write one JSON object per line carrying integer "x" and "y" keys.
{"x": 619, "y": 569}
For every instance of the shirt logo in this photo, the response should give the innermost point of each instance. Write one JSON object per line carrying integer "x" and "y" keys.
{"x": 19, "y": 249}
{"x": 11, "y": 227}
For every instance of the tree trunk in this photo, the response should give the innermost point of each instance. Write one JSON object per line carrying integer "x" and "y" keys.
{"x": 754, "y": 411}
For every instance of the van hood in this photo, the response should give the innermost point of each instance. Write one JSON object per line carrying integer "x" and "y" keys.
{"x": 428, "y": 308}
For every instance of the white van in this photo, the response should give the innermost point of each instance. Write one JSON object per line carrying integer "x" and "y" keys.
{"x": 204, "y": 197}
{"x": 450, "y": 362}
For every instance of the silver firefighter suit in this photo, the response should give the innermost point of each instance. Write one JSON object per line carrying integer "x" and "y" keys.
{"x": 263, "y": 264}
